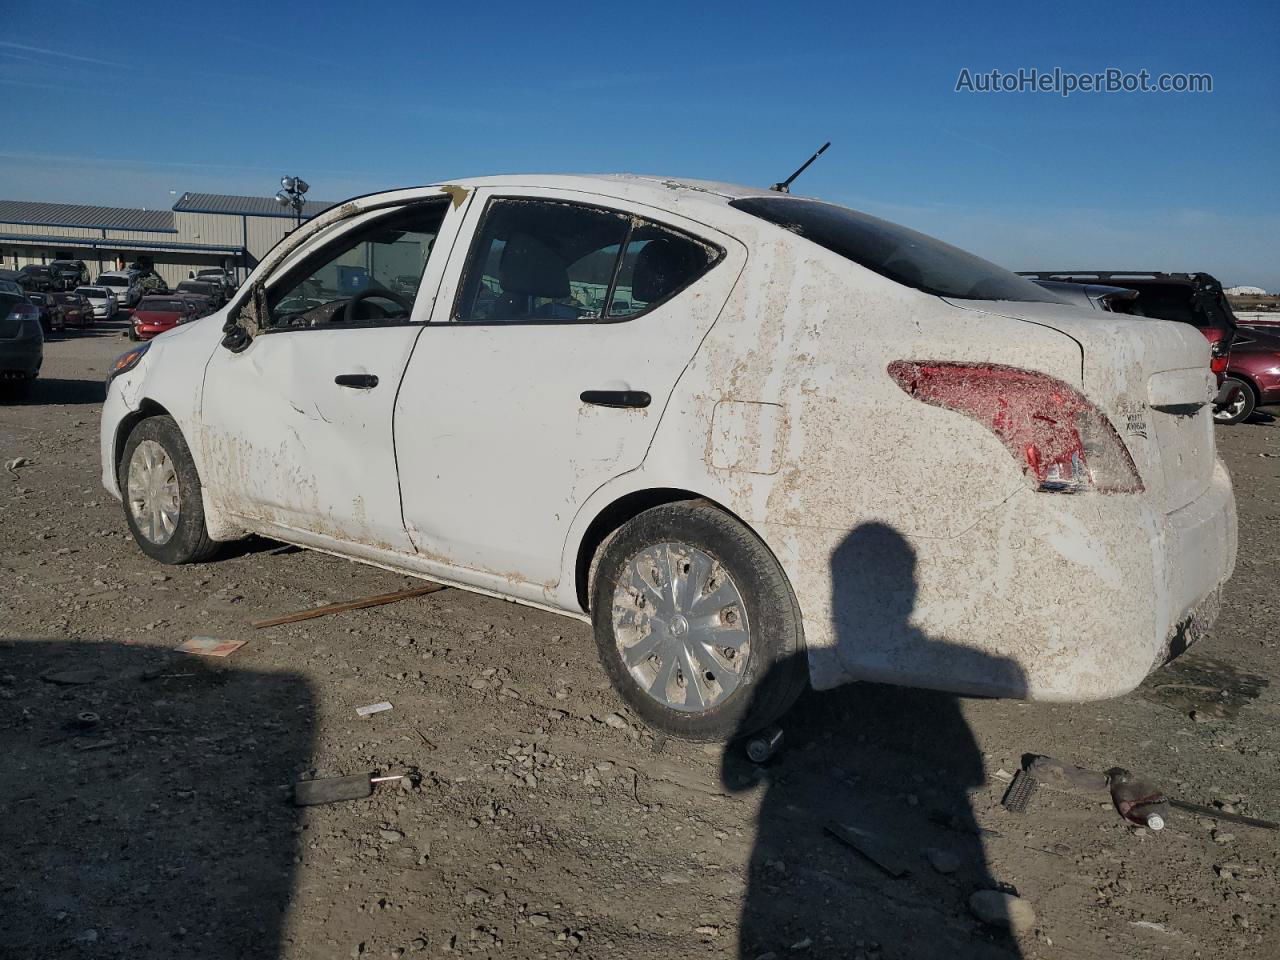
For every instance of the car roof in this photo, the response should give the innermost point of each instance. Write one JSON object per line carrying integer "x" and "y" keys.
{"x": 669, "y": 193}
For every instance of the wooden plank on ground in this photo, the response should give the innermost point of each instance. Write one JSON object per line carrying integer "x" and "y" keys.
{"x": 346, "y": 605}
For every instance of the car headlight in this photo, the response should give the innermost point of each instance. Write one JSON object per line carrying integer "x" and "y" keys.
{"x": 127, "y": 361}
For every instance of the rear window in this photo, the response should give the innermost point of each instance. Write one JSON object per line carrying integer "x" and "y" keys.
{"x": 904, "y": 256}
{"x": 164, "y": 306}
{"x": 91, "y": 291}
{"x": 113, "y": 281}
{"x": 190, "y": 286}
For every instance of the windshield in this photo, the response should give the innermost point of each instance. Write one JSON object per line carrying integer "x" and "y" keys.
{"x": 904, "y": 256}
{"x": 96, "y": 292}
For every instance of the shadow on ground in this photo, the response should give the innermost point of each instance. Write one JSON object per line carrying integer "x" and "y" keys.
{"x": 146, "y": 801}
{"x": 52, "y": 391}
{"x": 892, "y": 769}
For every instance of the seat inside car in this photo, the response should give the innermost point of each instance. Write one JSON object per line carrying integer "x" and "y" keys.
{"x": 530, "y": 270}
{"x": 662, "y": 265}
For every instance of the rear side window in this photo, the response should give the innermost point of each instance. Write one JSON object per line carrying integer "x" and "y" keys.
{"x": 540, "y": 261}
{"x": 904, "y": 256}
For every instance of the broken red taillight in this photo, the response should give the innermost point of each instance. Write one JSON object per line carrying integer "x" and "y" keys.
{"x": 1219, "y": 356}
{"x": 1060, "y": 439}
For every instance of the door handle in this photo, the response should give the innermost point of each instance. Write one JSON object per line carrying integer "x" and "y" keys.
{"x": 637, "y": 399}
{"x": 359, "y": 381}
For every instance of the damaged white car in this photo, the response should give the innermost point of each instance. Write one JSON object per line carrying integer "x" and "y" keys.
{"x": 756, "y": 440}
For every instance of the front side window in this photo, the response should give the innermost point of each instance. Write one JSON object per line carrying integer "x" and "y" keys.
{"x": 379, "y": 266}
{"x": 551, "y": 261}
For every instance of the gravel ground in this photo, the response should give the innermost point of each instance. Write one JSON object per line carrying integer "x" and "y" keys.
{"x": 146, "y": 791}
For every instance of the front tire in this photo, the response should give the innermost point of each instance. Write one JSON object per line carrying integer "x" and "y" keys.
{"x": 161, "y": 490}
{"x": 696, "y": 624}
{"x": 1242, "y": 409}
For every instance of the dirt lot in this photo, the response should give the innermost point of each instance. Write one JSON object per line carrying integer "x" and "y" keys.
{"x": 546, "y": 823}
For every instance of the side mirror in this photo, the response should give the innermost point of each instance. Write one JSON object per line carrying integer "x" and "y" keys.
{"x": 191, "y": 274}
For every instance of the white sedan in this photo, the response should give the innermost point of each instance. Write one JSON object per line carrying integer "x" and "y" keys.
{"x": 756, "y": 440}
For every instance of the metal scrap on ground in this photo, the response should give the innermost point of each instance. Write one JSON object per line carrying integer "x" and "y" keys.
{"x": 375, "y": 601}
{"x": 308, "y": 793}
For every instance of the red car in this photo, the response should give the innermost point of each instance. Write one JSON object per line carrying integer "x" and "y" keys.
{"x": 1254, "y": 366}
{"x": 76, "y": 310}
{"x": 155, "y": 315}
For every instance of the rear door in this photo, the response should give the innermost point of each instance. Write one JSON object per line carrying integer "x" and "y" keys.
{"x": 297, "y": 428}
{"x": 555, "y": 343}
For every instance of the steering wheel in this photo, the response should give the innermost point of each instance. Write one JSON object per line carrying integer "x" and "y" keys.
{"x": 349, "y": 316}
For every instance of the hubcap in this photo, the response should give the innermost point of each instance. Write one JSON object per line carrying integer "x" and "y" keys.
{"x": 153, "y": 492}
{"x": 681, "y": 626}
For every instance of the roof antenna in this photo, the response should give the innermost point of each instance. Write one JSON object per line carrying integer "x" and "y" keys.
{"x": 785, "y": 185}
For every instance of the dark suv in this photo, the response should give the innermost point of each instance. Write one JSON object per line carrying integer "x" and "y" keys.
{"x": 1194, "y": 298}
{"x": 36, "y": 276}
{"x": 69, "y": 274}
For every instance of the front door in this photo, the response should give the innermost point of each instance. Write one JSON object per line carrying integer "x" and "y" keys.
{"x": 297, "y": 428}
{"x": 553, "y": 348}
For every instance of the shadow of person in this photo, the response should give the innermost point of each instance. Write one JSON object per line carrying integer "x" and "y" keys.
{"x": 888, "y": 768}
{"x": 145, "y": 801}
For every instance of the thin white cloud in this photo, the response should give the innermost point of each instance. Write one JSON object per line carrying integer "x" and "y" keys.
{"x": 44, "y": 51}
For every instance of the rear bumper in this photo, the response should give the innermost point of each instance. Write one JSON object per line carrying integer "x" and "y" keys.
{"x": 20, "y": 359}
{"x": 1048, "y": 597}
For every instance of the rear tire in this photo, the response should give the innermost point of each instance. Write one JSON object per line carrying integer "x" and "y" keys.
{"x": 696, "y": 624}
{"x": 161, "y": 492}
{"x": 1242, "y": 409}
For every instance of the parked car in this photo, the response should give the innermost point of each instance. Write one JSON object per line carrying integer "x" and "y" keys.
{"x": 213, "y": 292}
{"x": 69, "y": 274}
{"x": 155, "y": 315}
{"x": 10, "y": 286}
{"x": 51, "y": 315}
{"x": 817, "y": 447}
{"x": 102, "y": 300}
{"x": 1254, "y": 368}
{"x": 10, "y": 276}
{"x": 1194, "y": 298}
{"x": 124, "y": 284}
{"x": 200, "y": 303}
{"x": 219, "y": 276}
{"x": 77, "y": 311}
{"x": 21, "y": 342}
{"x": 36, "y": 277}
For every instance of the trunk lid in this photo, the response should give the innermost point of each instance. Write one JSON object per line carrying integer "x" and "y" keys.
{"x": 1152, "y": 380}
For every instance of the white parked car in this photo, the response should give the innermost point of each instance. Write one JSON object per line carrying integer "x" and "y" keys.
{"x": 102, "y": 300}
{"x": 755, "y": 439}
{"x": 124, "y": 284}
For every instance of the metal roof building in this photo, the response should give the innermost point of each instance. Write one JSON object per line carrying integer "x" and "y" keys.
{"x": 202, "y": 230}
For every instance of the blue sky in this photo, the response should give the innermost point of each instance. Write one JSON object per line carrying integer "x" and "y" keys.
{"x": 121, "y": 104}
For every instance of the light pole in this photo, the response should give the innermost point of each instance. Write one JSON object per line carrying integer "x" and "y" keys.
{"x": 291, "y": 196}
